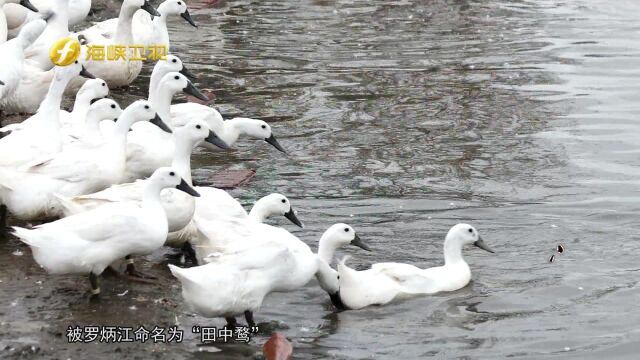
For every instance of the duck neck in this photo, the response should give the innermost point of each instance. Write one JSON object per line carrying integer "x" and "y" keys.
{"x": 60, "y": 18}
{"x": 260, "y": 211}
{"x": 162, "y": 19}
{"x": 50, "y": 106}
{"x": 452, "y": 252}
{"x": 92, "y": 125}
{"x": 232, "y": 130}
{"x": 182, "y": 157}
{"x": 151, "y": 196}
{"x": 156, "y": 76}
{"x": 326, "y": 249}
{"x": 124, "y": 35}
{"x": 3, "y": 25}
{"x": 121, "y": 130}
{"x": 161, "y": 103}
{"x": 81, "y": 106}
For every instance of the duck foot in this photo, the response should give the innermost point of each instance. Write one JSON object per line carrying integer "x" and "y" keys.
{"x": 248, "y": 315}
{"x": 95, "y": 288}
{"x": 188, "y": 254}
{"x": 4, "y": 230}
{"x": 136, "y": 275}
{"x": 231, "y": 322}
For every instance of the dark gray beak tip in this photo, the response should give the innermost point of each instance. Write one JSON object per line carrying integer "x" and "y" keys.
{"x": 185, "y": 15}
{"x": 187, "y": 73}
{"x": 150, "y": 9}
{"x": 157, "y": 121}
{"x": 184, "y": 186}
{"x": 192, "y": 90}
{"x": 28, "y": 5}
{"x": 84, "y": 73}
{"x": 480, "y": 243}
{"x": 291, "y": 215}
{"x": 1, "y": 82}
{"x": 215, "y": 140}
{"x": 359, "y": 243}
{"x": 272, "y": 140}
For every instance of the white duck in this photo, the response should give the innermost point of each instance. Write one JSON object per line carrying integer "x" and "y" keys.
{"x": 119, "y": 72}
{"x": 31, "y": 191}
{"x": 218, "y": 205}
{"x": 13, "y": 56}
{"x": 40, "y": 134}
{"x": 19, "y": 16}
{"x": 3, "y": 18}
{"x": 149, "y": 148}
{"x": 88, "y": 242}
{"x": 229, "y": 130}
{"x": 385, "y": 282}
{"x": 92, "y": 90}
{"x": 57, "y": 28}
{"x": 100, "y": 110}
{"x": 272, "y": 260}
{"x": 152, "y": 30}
{"x": 179, "y": 207}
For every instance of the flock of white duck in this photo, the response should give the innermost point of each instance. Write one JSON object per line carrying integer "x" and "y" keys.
{"x": 124, "y": 188}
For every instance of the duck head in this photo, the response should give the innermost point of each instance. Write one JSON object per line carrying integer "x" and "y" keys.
{"x": 464, "y": 234}
{"x": 342, "y": 234}
{"x": 258, "y": 129}
{"x": 274, "y": 204}
{"x": 176, "y": 7}
{"x": 94, "y": 89}
{"x": 70, "y": 71}
{"x": 196, "y": 131}
{"x": 142, "y": 110}
{"x": 166, "y": 177}
{"x": 176, "y": 82}
{"x": 104, "y": 109}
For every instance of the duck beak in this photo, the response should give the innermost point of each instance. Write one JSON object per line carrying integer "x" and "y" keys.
{"x": 28, "y": 5}
{"x": 272, "y": 140}
{"x": 150, "y": 9}
{"x": 1, "y": 82}
{"x": 359, "y": 243}
{"x": 157, "y": 121}
{"x": 84, "y": 73}
{"x": 184, "y": 186}
{"x": 215, "y": 140}
{"x": 291, "y": 215}
{"x": 187, "y": 73}
{"x": 3, "y": 134}
{"x": 480, "y": 243}
{"x": 192, "y": 90}
{"x": 185, "y": 15}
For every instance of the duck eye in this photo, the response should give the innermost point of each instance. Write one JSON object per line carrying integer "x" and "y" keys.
{"x": 284, "y": 201}
{"x": 76, "y": 61}
{"x": 198, "y": 127}
{"x": 177, "y": 77}
{"x": 104, "y": 84}
{"x": 172, "y": 174}
{"x": 264, "y": 126}
{"x": 113, "y": 106}
{"x": 174, "y": 61}
{"x": 346, "y": 229}
{"x": 471, "y": 230}
{"x": 179, "y": 2}
{"x": 146, "y": 107}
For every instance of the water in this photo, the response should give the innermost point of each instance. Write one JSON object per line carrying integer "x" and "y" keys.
{"x": 403, "y": 118}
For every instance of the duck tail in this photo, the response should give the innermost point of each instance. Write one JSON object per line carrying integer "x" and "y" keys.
{"x": 177, "y": 272}
{"x": 67, "y": 206}
{"x": 25, "y": 235}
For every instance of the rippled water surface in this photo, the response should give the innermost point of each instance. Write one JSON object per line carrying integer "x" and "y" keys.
{"x": 403, "y": 118}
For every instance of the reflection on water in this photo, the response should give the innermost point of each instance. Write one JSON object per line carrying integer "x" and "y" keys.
{"x": 405, "y": 117}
